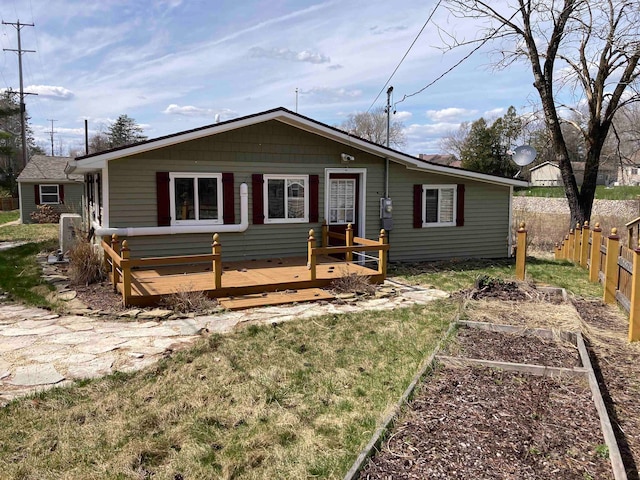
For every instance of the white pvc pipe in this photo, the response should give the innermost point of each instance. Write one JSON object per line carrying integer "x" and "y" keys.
{"x": 184, "y": 229}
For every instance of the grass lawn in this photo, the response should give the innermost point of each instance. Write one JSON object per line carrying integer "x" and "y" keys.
{"x": 296, "y": 400}
{"x": 9, "y": 216}
{"x": 30, "y": 232}
{"x": 602, "y": 192}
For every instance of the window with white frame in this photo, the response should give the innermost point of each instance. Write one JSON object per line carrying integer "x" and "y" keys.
{"x": 195, "y": 198}
{"x": 342, "y": 201}
{"x": 439, "y": 205}
{"x": 286, "y": 198}
{"x": 50, "y": 194}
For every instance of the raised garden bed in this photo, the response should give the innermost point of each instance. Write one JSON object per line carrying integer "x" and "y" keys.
{"x": 502, "y": 402}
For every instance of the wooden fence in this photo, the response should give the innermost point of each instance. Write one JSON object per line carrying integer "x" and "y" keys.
{"x": 615, "y": 266}
{"x": 9, "y": 203}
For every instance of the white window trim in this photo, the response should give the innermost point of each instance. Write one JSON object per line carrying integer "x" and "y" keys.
{"x": 424, "y": 205}
{"x": 265, "y": 195}
{"x": 362, "y": 200}
{"x": 172, "y": 197}
{"x": 57, "y": 194}
{"x": 355, "y": 209}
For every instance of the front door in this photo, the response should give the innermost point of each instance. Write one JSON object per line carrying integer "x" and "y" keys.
{"x": 343, "y": 207}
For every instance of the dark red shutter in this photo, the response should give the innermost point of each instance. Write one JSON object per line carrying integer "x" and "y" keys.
{"x": 417, "y": 206}
{"x": 162, "y": 199}
{"x": 36, "y": 193}
{"x": 460, "y": 206}
{"x": 61, "y": 192}
{"x": 228, "y": 196}
{"x": 257, "y": 191}
{"x": 314, "y": 182}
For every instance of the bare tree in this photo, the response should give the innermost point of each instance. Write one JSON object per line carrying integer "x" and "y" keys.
{"x": 372, "y": 126}
{"x": 597, "y": 45}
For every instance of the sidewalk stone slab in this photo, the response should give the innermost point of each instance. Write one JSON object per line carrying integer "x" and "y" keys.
{"x": 102, "y": 345}
{"x": 95, "y": 368}
{"x": 156, "y": 313}
{"x": 16, "y": 343}
{"x": 32, "y": 375}
{"x": 20, "y": 332}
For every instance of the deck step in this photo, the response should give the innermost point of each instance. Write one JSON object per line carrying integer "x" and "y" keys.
{"x": 274, "y": 298}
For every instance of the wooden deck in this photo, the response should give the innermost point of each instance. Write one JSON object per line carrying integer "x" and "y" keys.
{"x": 149, "y": 285}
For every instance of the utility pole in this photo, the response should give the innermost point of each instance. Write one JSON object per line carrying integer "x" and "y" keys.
{"x": 51, "y": 133}
{"x": 23, "y": 127}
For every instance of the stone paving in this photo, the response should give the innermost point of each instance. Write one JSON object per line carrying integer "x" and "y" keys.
{"x": 39, "y": 349}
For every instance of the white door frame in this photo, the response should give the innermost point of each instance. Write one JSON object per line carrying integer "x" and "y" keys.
{"x": 362, "y": 174}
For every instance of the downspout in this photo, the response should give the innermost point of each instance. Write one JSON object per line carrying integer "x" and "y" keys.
{"x": 509, "y": 236}
{"x": 184, "y": 229}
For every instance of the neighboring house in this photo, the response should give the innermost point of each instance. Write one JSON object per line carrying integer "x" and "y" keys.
{"x": 44, "y": 182}
{"x": 263, "y": 181}
{"x": 446, "y": 160}
{"x": 547, "y": 174}
{"x": 629, "y": 170}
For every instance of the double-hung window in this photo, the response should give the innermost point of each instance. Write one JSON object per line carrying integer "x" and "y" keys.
{"x": 439, "y": 205}
{"x": 286, "y": 198}
{"x": 196, "y": 198}
{"x": 49, "y": 194}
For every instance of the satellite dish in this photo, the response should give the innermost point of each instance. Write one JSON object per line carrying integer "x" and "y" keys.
{"x": 524, "y": 155}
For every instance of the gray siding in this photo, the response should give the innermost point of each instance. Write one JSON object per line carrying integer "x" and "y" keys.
{"x": 268, "y": 148}
{"x": 275, "y": 148}
{"x": 73, "y": 195}
{"x": 483, "y": 235}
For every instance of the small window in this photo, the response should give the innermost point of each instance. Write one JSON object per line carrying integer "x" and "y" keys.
{"x": 439, "y": 207}
{"x": 49, "y": 194}
{"x": 286, "y": 199}
{"x": 634, "y": 171}
{"x": 195, "y": 198}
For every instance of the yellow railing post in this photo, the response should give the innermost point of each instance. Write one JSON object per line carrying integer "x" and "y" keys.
{"x": 311, "y": 257}
{"x": 584, "y": 244}
{"x": 575, "y": 255}
{"x": 349, "y": 242}
{"x": 114, "y": 267}
{"x": 634, "y": 311}
{"x": 382, "y": 257}
{"x": 557, "y": 252}
{"x": 572, "y": 237}
{"x": 611, "y": 267}
{"x": 325, "y": 233}
{"x": 521, "y": 252}
{"x": 594, "y": 257}
{"x": 565, "y": 247}
{"x": 126, "y": 272}
{"x": 216, "y": 249}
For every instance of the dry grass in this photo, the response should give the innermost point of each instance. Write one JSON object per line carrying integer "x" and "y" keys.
{"x": 85, "y": 264}
{"x": 293, "y": 400}
{"x": 186, "y": 300}
{"x": 352, "y": 283}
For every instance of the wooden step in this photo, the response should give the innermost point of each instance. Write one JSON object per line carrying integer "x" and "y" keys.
{"x": 274, "y": 298}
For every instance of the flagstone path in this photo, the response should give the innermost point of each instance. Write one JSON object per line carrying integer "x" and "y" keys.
{"x": 39, "y": 349}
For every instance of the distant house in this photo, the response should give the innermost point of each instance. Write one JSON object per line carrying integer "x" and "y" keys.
{"x": 446, "y": 160}
{"x": 44, "y": 182}
{"x": 264, "y": 180}
{"x": 629, "y": 170}
{"x": 547, "y": 174}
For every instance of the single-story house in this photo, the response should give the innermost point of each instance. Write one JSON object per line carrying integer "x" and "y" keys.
{"x": 629, "y": 170}
{"x": 547, "y": 174}
{"x": 43, "y": 181}
{"x": 264, "y": 180}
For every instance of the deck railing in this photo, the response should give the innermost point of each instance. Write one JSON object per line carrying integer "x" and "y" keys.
{"x": 352, "y": 245}
{"x": 615, "y": 266}
{"x": 119, "y": 264}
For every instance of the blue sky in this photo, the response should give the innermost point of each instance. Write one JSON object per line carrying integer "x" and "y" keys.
{"x": 176, "y": 64}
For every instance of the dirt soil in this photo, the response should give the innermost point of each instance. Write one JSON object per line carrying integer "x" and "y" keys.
{"x": 483, "y": 423}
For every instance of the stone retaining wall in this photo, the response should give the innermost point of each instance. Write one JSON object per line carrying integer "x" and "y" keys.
{"x": 627, "y": 209}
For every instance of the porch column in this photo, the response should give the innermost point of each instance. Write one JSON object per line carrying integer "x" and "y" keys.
{"x": 311, "y": 257}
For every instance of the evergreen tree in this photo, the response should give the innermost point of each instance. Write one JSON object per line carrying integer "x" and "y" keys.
{"x": 124, "y": 131}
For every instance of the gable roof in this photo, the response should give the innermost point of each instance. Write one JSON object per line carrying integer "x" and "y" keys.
{"x": 95, "y": 161}
{"x": 544, "y": 164}
{"x": 44, "y": 167}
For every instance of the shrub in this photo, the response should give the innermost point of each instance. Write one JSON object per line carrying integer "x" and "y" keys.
{"x": 45, "y": 214}
{"x": 353, "y": 283}
{"x": 85, "y": 264}
{"x": 185, "y": 300}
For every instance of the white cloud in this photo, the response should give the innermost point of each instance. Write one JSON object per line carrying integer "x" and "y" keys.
{"x": 450, "y": 114}
{"x": 192, "y": 111}
{"x": 50, "y": 91}
{"x": 402, "y": 116}
{"x": 331, "y": 95}
{"x": 382, "y": 31}
{"x": 494, "y": 113}
{"x": 290, "y": 55}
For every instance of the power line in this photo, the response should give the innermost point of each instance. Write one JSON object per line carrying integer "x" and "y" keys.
{"x": 405, "y": 55}
{"x": 51, "y": 133}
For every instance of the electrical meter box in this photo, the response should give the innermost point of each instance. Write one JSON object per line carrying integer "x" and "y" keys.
{"x": 70, "y": 224}
{"x": 386, "y": 214}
